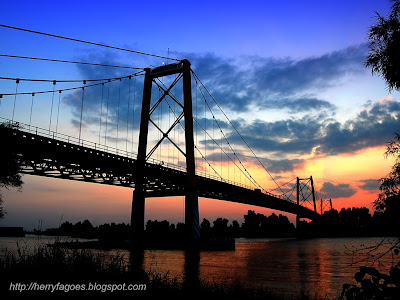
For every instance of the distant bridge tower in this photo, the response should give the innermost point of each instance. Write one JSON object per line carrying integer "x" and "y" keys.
{"x": 139, "y": 194}
{"x": 326, "y": 204}
{"x": 305, "y": 191}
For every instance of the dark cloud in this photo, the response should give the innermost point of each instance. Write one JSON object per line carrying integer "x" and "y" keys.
{"x": 370, "y": 184}
{"x": 329, "y": 137}
{"x": 274, "y": 166}
{"x": 276, "y": 83}
{"x": 284, "y": 136}
{"x": 283, "y": 165}
{"x": 370, "y": 128}
{"x": 341, "y": 190}
{"x": 303, "y": 104}
{"x": 287, "y": 76}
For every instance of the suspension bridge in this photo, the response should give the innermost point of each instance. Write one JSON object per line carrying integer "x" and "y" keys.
{"x": 181, "y": 134}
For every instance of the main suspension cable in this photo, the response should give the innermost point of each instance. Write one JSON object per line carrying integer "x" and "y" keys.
{"x": 68, "y": 61}
{"x": 251, "y": 179}
{"x": 86, "y": 42}
{"x": 230, "y": 122}
{"x": 72, "y": 88}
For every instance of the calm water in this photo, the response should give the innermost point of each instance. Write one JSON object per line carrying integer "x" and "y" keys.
{"x": 283, "y": 265}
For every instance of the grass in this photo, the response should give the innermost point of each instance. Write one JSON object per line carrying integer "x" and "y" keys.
{"x": 50, "y": 265}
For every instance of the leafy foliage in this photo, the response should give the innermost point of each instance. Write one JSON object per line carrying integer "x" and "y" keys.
{"x": 9, "y": 169}
{"x": 372, "y": 284}
{"x": 384, "y": 45}
{"x": 2, "y": 212}
{"x": 388, "y": 200}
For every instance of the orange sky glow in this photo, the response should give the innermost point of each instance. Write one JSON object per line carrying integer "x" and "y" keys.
{"x": 74, "y": 201}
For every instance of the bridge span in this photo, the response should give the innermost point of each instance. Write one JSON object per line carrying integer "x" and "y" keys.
{"x": 43, "y": 153}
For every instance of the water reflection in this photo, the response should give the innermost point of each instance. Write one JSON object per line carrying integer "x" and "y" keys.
{"x": 136, "y": 258}
{"x": 285, "y": 266}
{"x": 192, "y": 268}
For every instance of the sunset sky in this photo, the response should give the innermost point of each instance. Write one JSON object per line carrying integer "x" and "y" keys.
{"x": 290, "y": 76}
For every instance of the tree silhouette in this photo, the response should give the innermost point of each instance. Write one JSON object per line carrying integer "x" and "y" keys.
{"x": 220, "y": 226}
{"x": 9, "y": 169}
{"x": 388, "y": 200}
{"x": 384, "y": 46}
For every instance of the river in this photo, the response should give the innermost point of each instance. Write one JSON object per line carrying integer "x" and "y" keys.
{"x": 286, "y": 266}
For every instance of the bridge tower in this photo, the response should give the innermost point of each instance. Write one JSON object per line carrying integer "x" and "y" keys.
{"x": 139, "y": 194}
{"x": 326, "y": 204}
{"x": 305, "y": 191}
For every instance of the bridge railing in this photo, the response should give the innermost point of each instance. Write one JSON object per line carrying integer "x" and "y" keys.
{"x": 113, "y": 150}
{"x": 68, "y": 139}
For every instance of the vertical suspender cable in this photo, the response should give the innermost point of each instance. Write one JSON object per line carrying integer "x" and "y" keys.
{"x": 169, "y": 126}
{"x": 196, "y": 117}
{"x": 161, "y": 121}
{"x": 52, "y": 103}
{"x": 101, "y": 109}
{"x": 80, "y": 122}
{"x": 205, "y": 136}
{"x": 133, "y": 111}
{"x": 174, "y": 148}
{"x": 220, "y": 147}
{"x": 127, "y": 112}
{"x": 30, "y": 115}
{"x": 58, "y": 109}
{"x": 234, "y": 169}
{"x": 108, "y": 99}
{"x": 15, "y": 99}
{"x": 158, "y": 124}
{"x": 119, "y": 100}
{"x": 213, "y": 137}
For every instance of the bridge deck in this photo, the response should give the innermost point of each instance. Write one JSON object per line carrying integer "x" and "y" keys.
{"x": 44, "y": 156}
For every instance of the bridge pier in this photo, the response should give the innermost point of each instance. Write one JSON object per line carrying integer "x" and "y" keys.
{"x": 137, "y": 214}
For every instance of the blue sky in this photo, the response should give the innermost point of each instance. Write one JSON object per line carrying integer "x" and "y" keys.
{"x": 290, "y": 75}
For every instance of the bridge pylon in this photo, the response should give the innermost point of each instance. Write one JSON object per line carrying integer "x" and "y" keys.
{"x": 326, "y": 205}
{"x": 139, "y": 194}
{"x": 305, "y": 191}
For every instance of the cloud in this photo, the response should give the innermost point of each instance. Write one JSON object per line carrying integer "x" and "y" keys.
{"x": 297, "y": 136}
{"x": 341, "y": 190}
{"x": 288, "y": 76}
{"x": 272, "y": 165}
{"x": 240, "y": 84}
{"x": 282, "y": 165}
{"x": 369, "y": 128}
{"x": 276, "y": 83}
{"x": 370, "y": 184}
{"x": 269, "y": 83}
{"x": 326, "y": 136}
{"x": 302, "y": 104}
